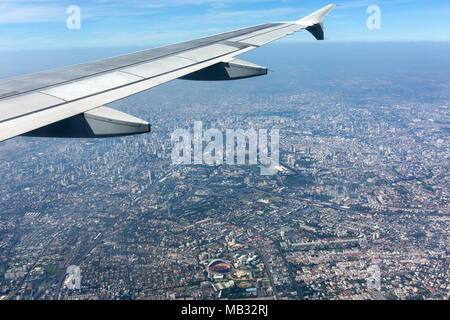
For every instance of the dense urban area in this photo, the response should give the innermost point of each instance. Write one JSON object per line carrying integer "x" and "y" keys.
{"x": 362, "y": 188}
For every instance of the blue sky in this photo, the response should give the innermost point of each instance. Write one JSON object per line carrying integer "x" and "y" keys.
{"x": 37, "y": 24}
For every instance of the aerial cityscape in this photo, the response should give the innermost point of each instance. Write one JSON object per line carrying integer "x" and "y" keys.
{"x": 362, "y": 189}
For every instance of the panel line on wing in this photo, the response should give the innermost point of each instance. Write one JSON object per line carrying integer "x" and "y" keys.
{"x": 126, "y": 72}
{"x": 265, "y": 37}
{"x": 51, "y": 95}
{"x": 16, "y": 107}
{"x": 257, "y": 32}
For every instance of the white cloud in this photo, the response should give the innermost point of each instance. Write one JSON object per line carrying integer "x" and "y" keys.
{"x": 19, "y": 13}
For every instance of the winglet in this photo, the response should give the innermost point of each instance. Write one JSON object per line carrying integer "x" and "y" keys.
{"x": 316, "y": 17}
{"x": 314, "y": 22}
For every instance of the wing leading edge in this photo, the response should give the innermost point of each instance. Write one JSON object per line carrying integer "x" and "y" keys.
{"x": 69, "y": 102}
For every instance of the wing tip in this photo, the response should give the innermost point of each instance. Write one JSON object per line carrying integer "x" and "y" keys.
{"x": 314, "y": 22}
{"x": 317, "y": 16}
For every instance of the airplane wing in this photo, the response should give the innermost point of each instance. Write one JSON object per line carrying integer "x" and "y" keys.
{"x": 69, "y": 102}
